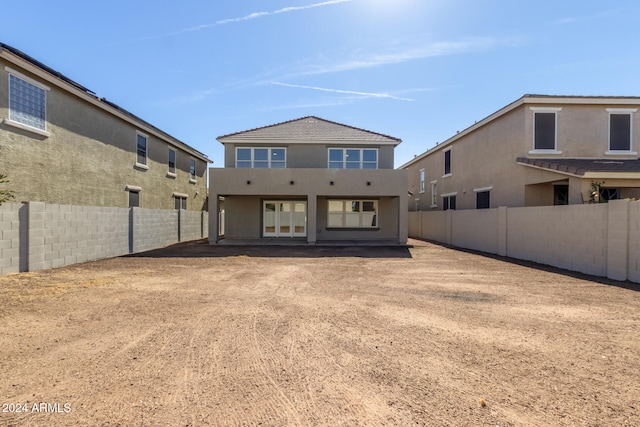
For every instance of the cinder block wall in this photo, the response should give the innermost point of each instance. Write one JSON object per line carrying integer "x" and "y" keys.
{"x": 36, "y": 236}
{"x": 192, "y": 225}
{"x": 154, "y": 228}
{"x": 597, "y": 239}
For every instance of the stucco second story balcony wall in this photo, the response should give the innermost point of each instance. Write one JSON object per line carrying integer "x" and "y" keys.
{"x": 306, "y": 181}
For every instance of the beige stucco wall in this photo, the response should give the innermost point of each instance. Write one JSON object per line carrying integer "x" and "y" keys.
{"x": 89, "y": 157}
{"x": 485, "y": 157}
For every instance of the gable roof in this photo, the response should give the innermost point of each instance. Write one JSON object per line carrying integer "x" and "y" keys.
{"x": 309, "y": 129}
{"x": 50, "y": 75}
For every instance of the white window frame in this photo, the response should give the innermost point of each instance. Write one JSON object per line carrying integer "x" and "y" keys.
{"x": 253, "y": 160}
{"x": 192, "y": 171}
{"x": 482, "y": 190}
{"x": 183, "y": 198}
{"x": 447, "y": 196}
{"x": 621, "y": 111}
{"x": 172, "y": 173}
{"x": 434, "y": 194}
{"x": 146, "y": 150}
{"x": 555, "y": 111}
{"x": 444, "y": 153}
{"x": 361, "y": 162}
{"x": 361, "y": 212}
{"x": 16, "y": 123}
{"x": 422, "y": 180}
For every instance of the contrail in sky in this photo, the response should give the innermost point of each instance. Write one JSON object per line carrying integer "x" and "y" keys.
{"x": 347, "y": 92}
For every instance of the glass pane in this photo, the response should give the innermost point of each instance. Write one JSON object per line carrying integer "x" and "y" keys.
{"x": 269, "y": 217}
{"x": 369, "y": 219}
{"x": 261, "y": 154}
{"x": 355, "y": 206}
{"x": 277, "y": 165}
{"x": 184, "y": 203}
{"x": 27, "y": 103}
{"x": 620, "y": 132}
{"x": 545, "y": 131}
{"x": 261, "y": 165}
{"x": 336, "y": 205}
{"x": 134, "y": 199}
{"x": 277, "y": 154}
{"x": 368, "y": 206}
{"x": 177, "y": 202}
{"x": 335, "y": 155}
{"x": 285, "y": 218}
{"x": 353, "y": 155}
{"x": 369, "y": 166}
{"x": 352, "y": 219}
{"x": 335, "y": 220}
{"x": 353, "y": 165}
{"x": 244, "y": 164}
{"x": 335, "y": 165}
{"x": 243, "y": 154}
{"x": 370, "y": 155}
{"x": 300, "y": 218}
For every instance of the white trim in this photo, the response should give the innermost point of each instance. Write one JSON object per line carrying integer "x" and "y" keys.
{"x": 620, "y": 153}
{"x": 481, "y": 189}
{"x": 546, "y": 109}
{"x": 185, "y": 196}
{"x": 132, "y": 188}
{"x": 27, "y": 128}
{"x": 449, "y": 194}
{"x": 534, "y": 151}
{"x": 622, "y": 110}
{"x": 27, "y": 79}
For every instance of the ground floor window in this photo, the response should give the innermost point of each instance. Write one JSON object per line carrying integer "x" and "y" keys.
{"x": 483, "y": 200}
{"x": 352, "y": 213}
{"x": 180, "y": 202}
{"x": 449, "y": 202}
{"x": 607, "y": 194}
{"x": 134, "y": 199}
{"x": 561, "y": 194}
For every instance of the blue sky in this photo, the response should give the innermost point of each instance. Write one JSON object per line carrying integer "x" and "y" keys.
{"x": 419, "y": 70}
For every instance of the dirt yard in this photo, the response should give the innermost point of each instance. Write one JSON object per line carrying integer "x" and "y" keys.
{"x": 196, "y": 335}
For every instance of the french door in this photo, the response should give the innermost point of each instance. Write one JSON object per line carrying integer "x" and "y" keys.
{"x": 282, "y": 218}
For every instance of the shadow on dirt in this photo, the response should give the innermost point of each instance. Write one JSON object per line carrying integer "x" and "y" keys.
{"x": 530, "y": 264}
{"x": 202, "y": 249}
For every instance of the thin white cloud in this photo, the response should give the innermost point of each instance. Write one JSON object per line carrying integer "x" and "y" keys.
{"x": 472, "y": 45}
{"x": 573, "y": 19}
{"x": 345, "y": 92}
{"x": 253, "y": 15}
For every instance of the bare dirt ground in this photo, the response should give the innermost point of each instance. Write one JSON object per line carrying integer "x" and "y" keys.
{"x": 280, "y": 336}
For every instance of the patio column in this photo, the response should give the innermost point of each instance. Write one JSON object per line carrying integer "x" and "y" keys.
{"x": 214, "y": 207}
{"x": 312, "y": 215}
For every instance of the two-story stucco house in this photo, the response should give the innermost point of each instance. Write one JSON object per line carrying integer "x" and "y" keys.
{"x": 61, "y": 144}
{"x": 310, "y": 180}
{"x": 539, "y": 150}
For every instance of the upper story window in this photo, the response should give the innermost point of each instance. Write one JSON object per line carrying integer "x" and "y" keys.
{"x": 545, "y": 124}
{"x": 27, "y": 102}
{"x": 255, "y": 157}
{"x": 172, "y": 162}
{"x": 353, "y": 158}
{"x": 620, "y": 130}
{"x": 192, "y": 170}
{"x": 141, "y": 149}
{"x": 447, "y": 163}
{"x": 422, "y": 184}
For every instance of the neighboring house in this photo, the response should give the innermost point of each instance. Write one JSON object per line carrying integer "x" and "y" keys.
{"x": 311, "y": 180}
{"x": 539, "y": 150}
{"x": 61, "y": 144}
